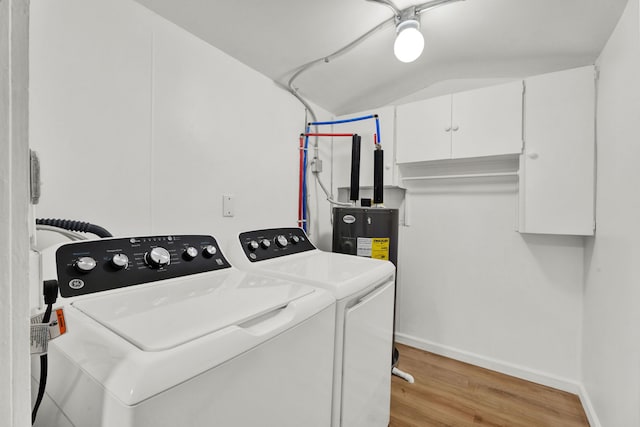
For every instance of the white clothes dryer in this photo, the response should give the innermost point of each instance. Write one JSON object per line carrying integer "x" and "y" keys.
{"x": 364, "y": 290}
{"x": 163, "y": 331}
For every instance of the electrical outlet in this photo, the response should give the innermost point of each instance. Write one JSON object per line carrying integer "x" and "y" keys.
{"x": 227, "y": 205}
{"x": 316, "y": 165}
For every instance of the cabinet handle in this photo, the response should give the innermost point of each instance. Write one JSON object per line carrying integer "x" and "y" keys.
{"x": 532, "y": 155}
{"x": 455, "y": 128}
{"x": 447, "y": 129}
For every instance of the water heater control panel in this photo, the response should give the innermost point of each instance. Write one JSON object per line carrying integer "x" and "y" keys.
{"x": 260, "y": 245}
{"x": 90, "y": 266}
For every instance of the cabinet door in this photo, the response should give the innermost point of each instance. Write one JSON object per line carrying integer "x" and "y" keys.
{"x": 487, "y": 121}
{"x": 423, "y": 130}
{"x": 557, "y": 167}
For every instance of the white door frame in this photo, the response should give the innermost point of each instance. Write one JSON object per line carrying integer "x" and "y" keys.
{"x": 15, "y": 396}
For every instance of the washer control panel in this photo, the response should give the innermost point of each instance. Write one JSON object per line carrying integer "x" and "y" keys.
{"x": 260, "y": 245}
{"x": 90, "y": 266}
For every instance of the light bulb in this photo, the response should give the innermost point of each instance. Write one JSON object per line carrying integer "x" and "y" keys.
{"x": 409, "y": 42}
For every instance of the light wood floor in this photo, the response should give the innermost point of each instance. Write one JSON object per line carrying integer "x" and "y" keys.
{"x": 452, "y": 393}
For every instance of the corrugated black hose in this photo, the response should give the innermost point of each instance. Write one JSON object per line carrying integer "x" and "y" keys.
{"x": 71, "y": 225}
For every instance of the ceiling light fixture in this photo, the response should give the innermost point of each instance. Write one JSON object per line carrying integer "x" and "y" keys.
{"x": 409, "y": 42}
{"x": 398, "y": 17}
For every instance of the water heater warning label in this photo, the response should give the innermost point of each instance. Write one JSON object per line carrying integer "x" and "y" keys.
{"x": 376, "y": 247}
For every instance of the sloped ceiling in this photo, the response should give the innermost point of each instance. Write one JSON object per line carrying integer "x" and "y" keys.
{"x": 466, "y": 41}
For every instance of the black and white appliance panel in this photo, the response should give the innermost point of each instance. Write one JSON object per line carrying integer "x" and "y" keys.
{"x": 106, "y": 264}
{"x": 260, "y": 245}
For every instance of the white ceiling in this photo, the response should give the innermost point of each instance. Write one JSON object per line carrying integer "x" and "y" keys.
{"x": 466, "y": 42}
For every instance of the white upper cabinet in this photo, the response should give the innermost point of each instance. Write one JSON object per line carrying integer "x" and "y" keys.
{"x": 476, "y": 123}
{"x": 424, "y": 130}
{"x": 487, "y": 122}
{"x": 557, "y": 169}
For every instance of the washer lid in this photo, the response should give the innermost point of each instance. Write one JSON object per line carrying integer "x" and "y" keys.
{"x": 164, "y": 315}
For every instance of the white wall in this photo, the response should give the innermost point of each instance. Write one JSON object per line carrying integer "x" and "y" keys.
{"x": 90, "y": 110}
{"x": 471, "y": 287}
{"x": 142, "y": 127}
{"x": 611, "y": 350}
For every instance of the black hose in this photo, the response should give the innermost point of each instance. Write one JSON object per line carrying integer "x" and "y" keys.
{"x": 67, "y": 224}
{"x": 43, "y": 370}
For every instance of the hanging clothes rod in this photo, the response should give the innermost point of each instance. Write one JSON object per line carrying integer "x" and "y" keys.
{"x": 471, "y": 175}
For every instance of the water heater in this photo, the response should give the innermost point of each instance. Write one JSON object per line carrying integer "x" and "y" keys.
{"x": 368, "y": 232}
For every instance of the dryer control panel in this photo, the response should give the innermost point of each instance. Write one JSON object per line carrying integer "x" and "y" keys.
{"x": 90, "y": 266}
{"x": 260, "y": 245}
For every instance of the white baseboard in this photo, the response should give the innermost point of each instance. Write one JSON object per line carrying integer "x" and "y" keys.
{"x": 507, "y": 368}
{"x": 588, "y": 407}
{"x": 493, "y": 364}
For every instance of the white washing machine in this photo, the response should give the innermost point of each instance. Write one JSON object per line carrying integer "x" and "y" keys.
{"x": 163, "y": 331}
{"x": 364, "y": 290}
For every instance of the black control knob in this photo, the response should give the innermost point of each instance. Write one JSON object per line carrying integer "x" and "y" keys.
{"x": 295, "y": 240}
{"x": 157, "y": 257}
{"x": 209, "y": 251}
{"x": 190, "y": 253}
{"x": 253, "y": 245}
{"x": 265, "y": 243}
{"x": 281, "y": 241}
{"x": 120, "y": 261}
{"x": 84, "y": 264}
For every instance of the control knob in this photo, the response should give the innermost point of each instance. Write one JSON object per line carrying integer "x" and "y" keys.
{"x": 265, "y": 243}
{"x": 120, "y": 261}
{"x": 209, "y": 251}
{"x": 85, "y": 264}
{"x": 281, "y": 241}
{"x": 190, "y": 253}
{"x": 295, "y": 240}
{"x": 253, "y": 245}
{"x": 157, "y": 257}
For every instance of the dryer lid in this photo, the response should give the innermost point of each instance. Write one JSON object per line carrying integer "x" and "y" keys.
{"x": 343, "y": 275}
{"x": 161, "y": 316}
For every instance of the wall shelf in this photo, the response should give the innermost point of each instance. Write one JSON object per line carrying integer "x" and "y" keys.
{"x": 472, "y": 175}
{"x": 476, "y": 167}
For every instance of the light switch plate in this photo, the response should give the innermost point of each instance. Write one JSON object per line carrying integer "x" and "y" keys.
{"x": 227, "y": 205}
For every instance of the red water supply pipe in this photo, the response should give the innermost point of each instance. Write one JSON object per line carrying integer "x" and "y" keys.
{"x": 300, "y": 189}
